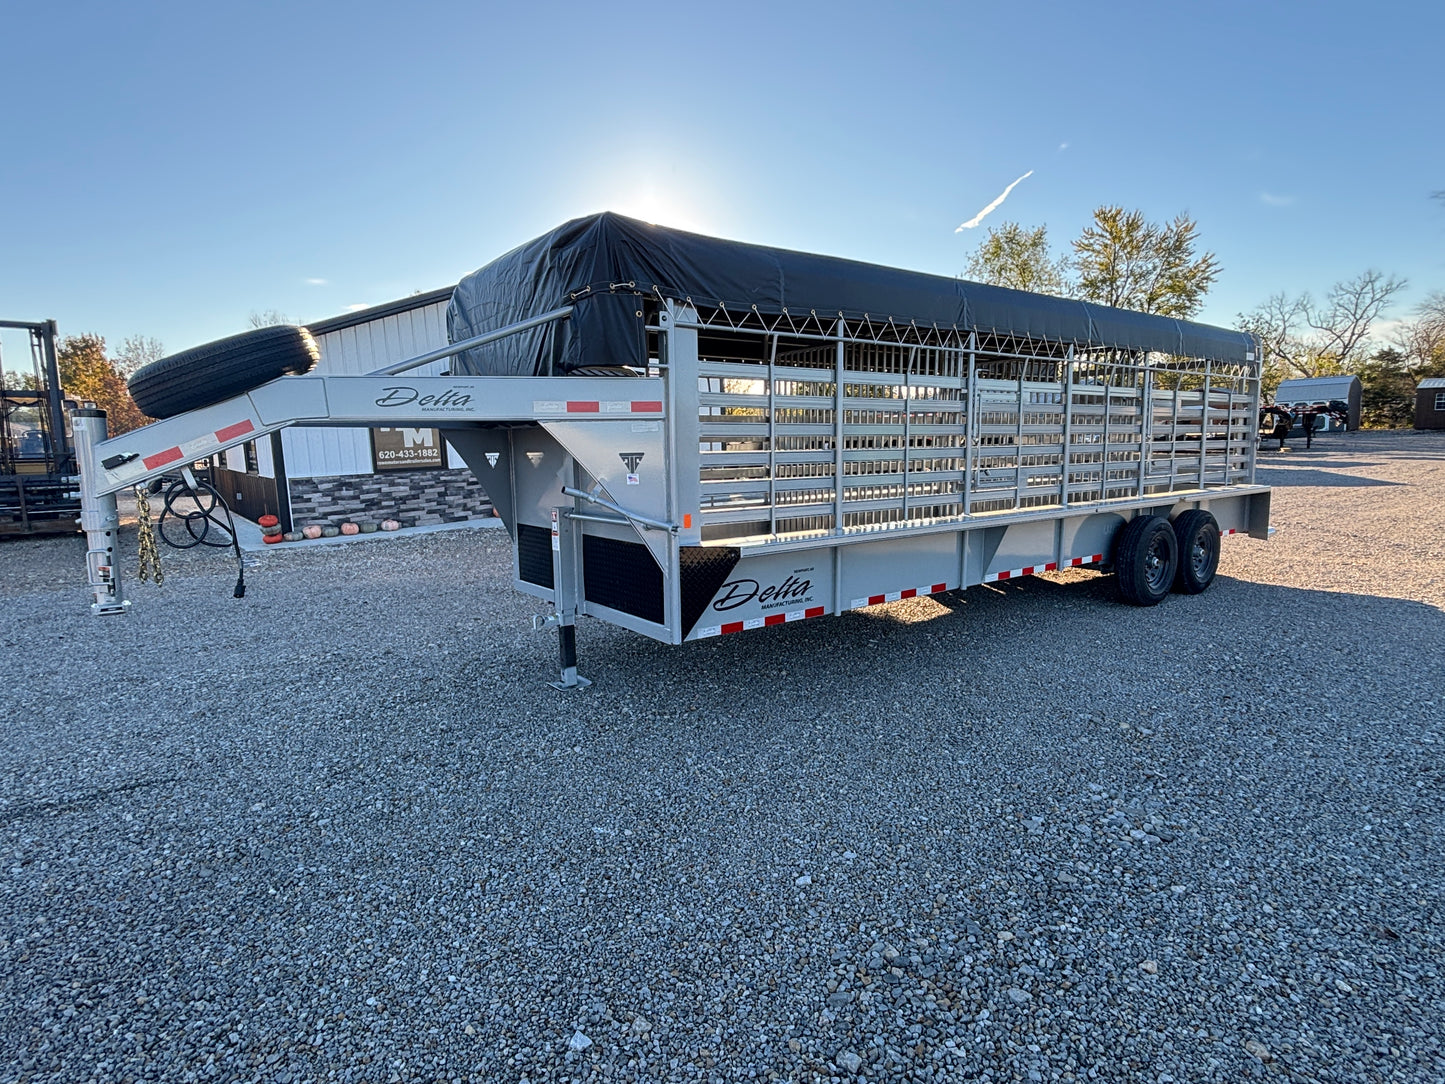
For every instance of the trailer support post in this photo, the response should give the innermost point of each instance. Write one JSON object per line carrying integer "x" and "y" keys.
{"x": 99, "y": 518}
{"x": 566, "y": 598}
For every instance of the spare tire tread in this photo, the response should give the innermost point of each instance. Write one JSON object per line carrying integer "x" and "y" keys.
{"x": 219, "y": 370}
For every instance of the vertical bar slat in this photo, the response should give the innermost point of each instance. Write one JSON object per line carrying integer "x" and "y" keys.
{"x": 842, "y": 331}
{"x": 1068, "y": 425}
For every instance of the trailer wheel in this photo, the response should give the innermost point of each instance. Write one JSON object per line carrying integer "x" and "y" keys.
{"x": 220, "y": 370}
{"x": 1145, "y": 556}
{"x": 1197, "y": 533}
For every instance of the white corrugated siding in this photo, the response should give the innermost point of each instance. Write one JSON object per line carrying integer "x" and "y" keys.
{"x": 317, "y": 453}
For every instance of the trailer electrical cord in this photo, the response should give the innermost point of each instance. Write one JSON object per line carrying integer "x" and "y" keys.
{"x": 199, "y": 522}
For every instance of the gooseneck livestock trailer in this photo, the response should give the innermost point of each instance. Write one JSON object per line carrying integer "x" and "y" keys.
{"x": 692, "y": 437}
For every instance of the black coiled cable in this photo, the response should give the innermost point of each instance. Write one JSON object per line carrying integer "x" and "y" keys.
{"x": 198, "y": 522}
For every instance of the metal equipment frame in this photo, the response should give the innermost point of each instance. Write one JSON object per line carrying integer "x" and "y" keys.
{"x": 38, "y": 493}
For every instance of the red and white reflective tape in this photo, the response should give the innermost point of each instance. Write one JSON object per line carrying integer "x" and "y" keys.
{"x": 1226, "y": 534}
{"x": 761, "y": 622}
{"x": 160, "y": 459}
{"x": 192, "y": 449}
{"x": 1051, "y": 566}
{"x": 894, "y": 596}
{"x": 597, "y": 406}
{"x": 231, "y": 432}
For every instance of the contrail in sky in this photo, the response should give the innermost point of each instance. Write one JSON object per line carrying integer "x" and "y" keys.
{"x": 976, "y": 219}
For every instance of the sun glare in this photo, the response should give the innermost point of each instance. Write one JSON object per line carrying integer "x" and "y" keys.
{"x": 660, "y": 205}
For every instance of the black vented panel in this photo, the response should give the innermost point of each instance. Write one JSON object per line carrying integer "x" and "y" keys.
{"x": 534, "y": 554}
{"x": 622, "y": 576}
{"x": 704, "y": 570}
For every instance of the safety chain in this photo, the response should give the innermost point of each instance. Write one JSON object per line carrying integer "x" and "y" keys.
{"x": 150, "y": 558}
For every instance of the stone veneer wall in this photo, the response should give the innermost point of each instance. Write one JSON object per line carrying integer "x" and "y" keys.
{"x": 414, "y": 497}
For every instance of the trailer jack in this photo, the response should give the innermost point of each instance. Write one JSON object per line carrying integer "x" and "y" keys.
{"x": 566, "y": 650}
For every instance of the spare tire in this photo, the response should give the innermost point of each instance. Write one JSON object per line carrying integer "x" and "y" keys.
{"x": 220, "y": 370}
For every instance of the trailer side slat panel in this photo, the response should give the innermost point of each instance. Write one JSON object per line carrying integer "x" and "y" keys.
{"x": 1045, "y": 429}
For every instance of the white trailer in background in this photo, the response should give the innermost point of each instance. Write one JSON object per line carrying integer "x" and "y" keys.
{"x": 736, "y": 469}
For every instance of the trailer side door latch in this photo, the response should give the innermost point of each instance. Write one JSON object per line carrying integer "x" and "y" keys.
{"x": 110, "y": 462}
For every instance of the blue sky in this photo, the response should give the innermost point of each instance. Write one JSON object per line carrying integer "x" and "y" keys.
{"x": 167, "y": 169}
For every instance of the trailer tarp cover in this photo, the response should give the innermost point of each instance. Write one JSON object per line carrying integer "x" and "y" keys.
{"x": 602, "y": 263}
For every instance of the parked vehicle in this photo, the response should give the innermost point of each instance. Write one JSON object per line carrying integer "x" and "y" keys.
{"x": 691, "y": 437}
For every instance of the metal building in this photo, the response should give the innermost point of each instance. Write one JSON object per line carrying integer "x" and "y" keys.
{"x": 1321, "y": 391}
{"x": 333, "y": 474}
{"x": 1430, "y": 403}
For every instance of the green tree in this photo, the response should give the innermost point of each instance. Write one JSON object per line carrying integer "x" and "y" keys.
{"x": 88, "y": 375}
{"x": 1387, "y": 390}
{"x": 1128, "y": 262}
{"x": 1020, "y": 259}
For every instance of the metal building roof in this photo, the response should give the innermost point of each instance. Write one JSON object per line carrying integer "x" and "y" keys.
{"x": 1431, "y": 383}
{"x": 378, "y": 312}
{"x": 1317, "y": 387}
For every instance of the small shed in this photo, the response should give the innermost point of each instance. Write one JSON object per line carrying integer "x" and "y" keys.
{"x": 1430, "y": 403}
{"x": 1321, "y": 391}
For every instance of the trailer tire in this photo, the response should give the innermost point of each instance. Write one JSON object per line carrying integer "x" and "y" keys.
{"x": 1197, "y": 533}
{"x": 222, "y": 369}
{"x": 1145, "y": 557}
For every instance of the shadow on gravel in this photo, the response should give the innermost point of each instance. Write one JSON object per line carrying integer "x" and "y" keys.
{"x": 1291, "y": 475}
{"x": 1004, "y": 631}
{"x": 1313, "y": 459}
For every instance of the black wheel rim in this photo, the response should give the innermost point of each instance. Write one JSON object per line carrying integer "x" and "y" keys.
{"x": 1157, "y": 573}
{"x": 1201, "y": 557}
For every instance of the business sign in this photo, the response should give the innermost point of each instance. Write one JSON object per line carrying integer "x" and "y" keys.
{"x": 404, "y": 448}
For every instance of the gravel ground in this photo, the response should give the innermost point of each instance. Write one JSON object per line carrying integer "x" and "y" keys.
{"x": 341, "y": 830}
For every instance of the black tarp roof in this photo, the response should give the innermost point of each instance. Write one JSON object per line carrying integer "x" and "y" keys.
{"x": 600, "y": 263}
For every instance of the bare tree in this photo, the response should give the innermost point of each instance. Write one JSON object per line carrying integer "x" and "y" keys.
{"x": 1341, "y": 326}
{"x": 1422, "y": 341}
{"x": 1300, "y": 338}
{"x": 269, "y": 318}
{"x": 135, "y": 351}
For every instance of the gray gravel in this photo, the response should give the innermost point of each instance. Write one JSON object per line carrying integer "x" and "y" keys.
{"x": 340, "y": 830}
